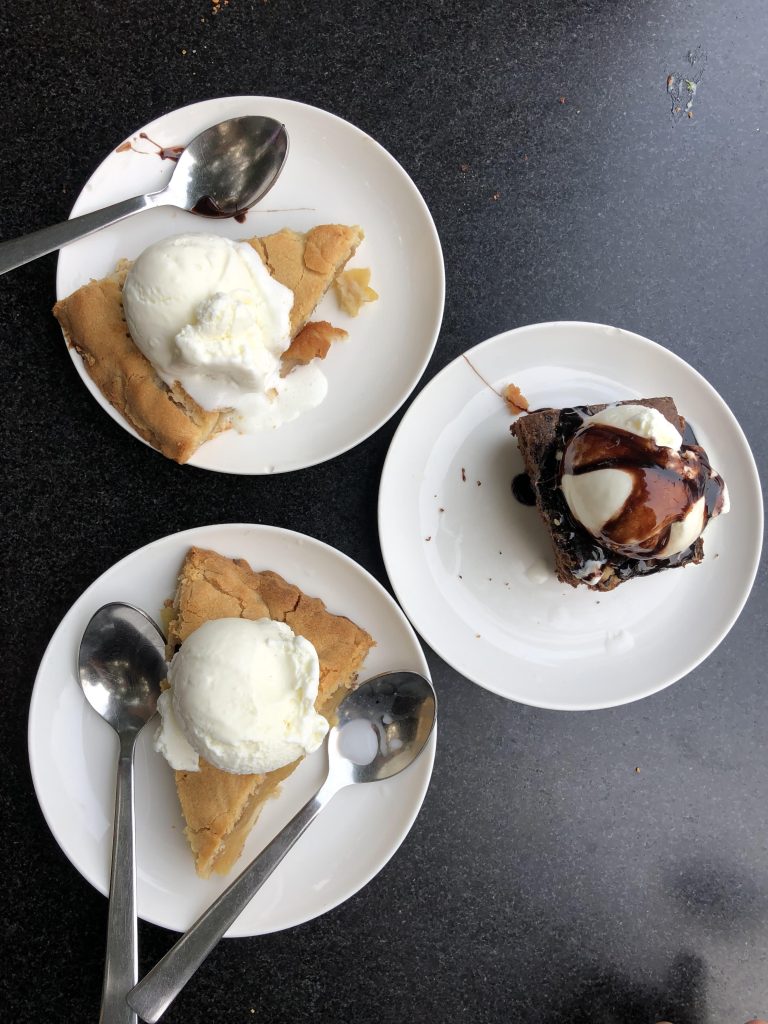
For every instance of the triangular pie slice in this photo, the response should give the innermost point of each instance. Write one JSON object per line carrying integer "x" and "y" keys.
{"x": 168, "y": 418}
{"x": 220, "y": 808}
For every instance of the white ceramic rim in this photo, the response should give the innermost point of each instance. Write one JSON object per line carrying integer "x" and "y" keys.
{"x": 197, "y": 535}
{"x": 81, "y": 205}
{"x": 411, "y": 601}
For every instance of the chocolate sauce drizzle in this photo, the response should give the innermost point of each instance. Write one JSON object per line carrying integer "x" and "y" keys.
{"x": 164, "y": 152}
{"x": 666, "y": 484}
{"x": 522, "y": 488}
{"x": 689, "y": 436}
{"x": 587, "y": 556}
{"x": 208, "y": 207}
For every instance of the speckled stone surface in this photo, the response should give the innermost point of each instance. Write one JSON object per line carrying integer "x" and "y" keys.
{"x": 546, "y": 878}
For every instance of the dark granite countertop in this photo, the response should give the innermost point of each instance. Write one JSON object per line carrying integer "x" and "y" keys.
{"x": 546, "y": 879}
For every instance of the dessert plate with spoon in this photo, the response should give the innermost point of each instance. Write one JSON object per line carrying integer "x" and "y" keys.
{"x": 73, "y": 753}
{"x": 334, "y": 175}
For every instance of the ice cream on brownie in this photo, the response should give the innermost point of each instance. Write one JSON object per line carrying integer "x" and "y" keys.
{"x": 621, "y": 491}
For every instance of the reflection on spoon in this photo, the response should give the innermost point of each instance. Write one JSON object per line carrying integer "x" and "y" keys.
{"x": 392, "y": 716}
{"x": 121, "y": 664}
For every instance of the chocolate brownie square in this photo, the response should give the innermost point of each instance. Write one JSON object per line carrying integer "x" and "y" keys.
{"x": 579, "y": 558}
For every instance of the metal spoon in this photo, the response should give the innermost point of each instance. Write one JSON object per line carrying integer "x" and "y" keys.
{"x": 121, "y": 665}
{"x": 399, "y": 709}
{"x": 223, "y": 172}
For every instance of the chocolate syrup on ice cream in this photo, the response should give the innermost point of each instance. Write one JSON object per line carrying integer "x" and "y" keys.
{"x": 208, "y": 207}
{"x": 588, "y": 557}
{"x": 666, "y": 484}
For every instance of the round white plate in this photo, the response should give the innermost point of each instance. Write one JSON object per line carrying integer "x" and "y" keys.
{"x": 335, "y": 173}
{"x": 472, "y": 567}
{"x": 73, "y": 753}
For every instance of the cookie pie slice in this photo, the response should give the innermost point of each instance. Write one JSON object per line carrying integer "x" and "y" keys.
{"x": 93, "y": 322}
{"x": 221, "y": 808}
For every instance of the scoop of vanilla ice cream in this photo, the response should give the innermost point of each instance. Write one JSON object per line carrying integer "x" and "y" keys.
{"x": 599, "y": 496}
{"x": 242, "y": 696}
{"x": 171, "y": 280}
{"x": 643, "y": 420}
{"x": 596, "y": 497}
{"x": 206, "y": 312}
{"x": 229, "y": 340}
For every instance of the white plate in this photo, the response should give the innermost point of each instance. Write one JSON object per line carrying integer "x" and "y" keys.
{"x": 334, "y": 174}
{"x": 73, "y": 753}
{"x": 476, "y": 579}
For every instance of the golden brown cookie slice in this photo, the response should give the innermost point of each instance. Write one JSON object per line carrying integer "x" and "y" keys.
{"x": 93, "y": 322}
{"x": 168, "y": 418}
{"x": 221, "y": 808}
{"x": 307, "y": 264}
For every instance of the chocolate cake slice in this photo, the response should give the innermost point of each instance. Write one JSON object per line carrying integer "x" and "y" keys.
{"x": 579, "y": 558}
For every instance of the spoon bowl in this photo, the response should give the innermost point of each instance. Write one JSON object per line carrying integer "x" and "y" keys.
{"x": 229, "y": 167}
{"x": 121, "y": 664}
{"x": 399, "y": 709}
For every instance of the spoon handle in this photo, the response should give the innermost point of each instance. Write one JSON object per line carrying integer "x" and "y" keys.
{"x": 155, "y": 993}
{"x": 121, "y": 965}
{"x": 27, "y": 248}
